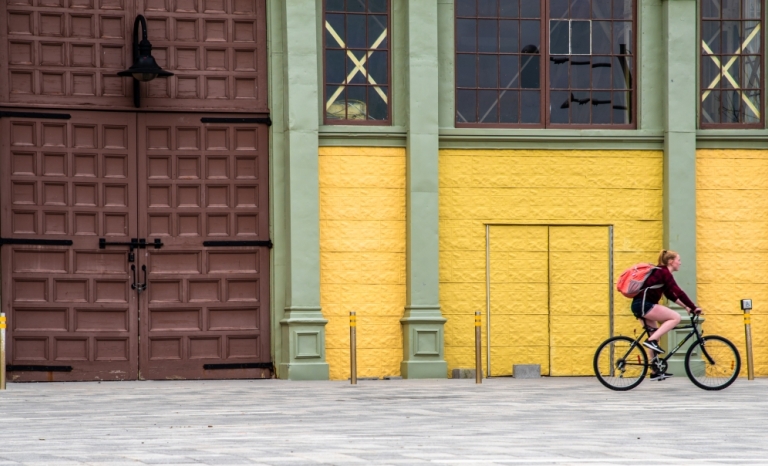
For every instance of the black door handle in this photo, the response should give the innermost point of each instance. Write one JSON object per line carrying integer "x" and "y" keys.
{"x": 139, "y": 287}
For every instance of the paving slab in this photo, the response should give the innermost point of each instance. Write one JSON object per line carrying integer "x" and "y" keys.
{"x": 399, "y": 422}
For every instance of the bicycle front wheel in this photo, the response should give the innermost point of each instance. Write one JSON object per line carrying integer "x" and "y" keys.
{"x": 712, "y": 363}
{"x": 620, "y": 364}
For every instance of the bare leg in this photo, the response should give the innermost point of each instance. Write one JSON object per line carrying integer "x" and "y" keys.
{"x": 652, "y": 327}
{"x": 666, "y": 316}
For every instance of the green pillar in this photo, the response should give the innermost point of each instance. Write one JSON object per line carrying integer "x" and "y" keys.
{"x": 423, "y": 338}
{"x": 679, "y": 27}
{"x": 302, "y": 356}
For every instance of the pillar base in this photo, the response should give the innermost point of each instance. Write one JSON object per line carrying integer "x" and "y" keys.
{"x": 303, "y": 332}
{"x": 423, "y": 343}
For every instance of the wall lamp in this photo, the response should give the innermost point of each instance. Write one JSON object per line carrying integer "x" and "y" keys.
{"x": 144, "y": 67}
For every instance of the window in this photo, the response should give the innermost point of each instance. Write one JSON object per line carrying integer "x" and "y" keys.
{"x": 545, "y": 63}
{"x": 356, "y": 61}
{"x": 731, "y": 63}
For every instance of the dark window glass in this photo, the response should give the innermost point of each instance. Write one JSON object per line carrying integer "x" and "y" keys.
{"x": 466, "y": 70}
{"x": 466, "y": 35}
{"x": 601, "y": 72}
{"x": 529, "y": 71}
{"x": 356, "y": 61}
{"x": 489, "y": 71}
{"x": 581, "y": 37}
{"x": 466, "y": 7}
{"x": 588, "y": 57}
{"x": 466, "y": 106}
{"x": 488, "y": 105}
{"x": 487, "y": 35}
{"x": 334, "y": 5}
{"x": 580, "y": 73}
{"x": 530, "y": 102}
{"x": 558, "y": 9}
{"x": 601, "y": 37}
{"x": 509, "y": 103}
{"x": 487, "y": 8}
{"x": 509, "y": 8}
{"x": 558, "y": 38}
{"x": 509, "y": 36}
{"x": 529, "y": 9}
{"x": 498, "y": 46}
{"x": 601, "y": 107}
{"x": 377, "y": 6}
{"x": 580, "y": 9}
{"x": 622, "y": 9}
{"x": 509, "y": 71}
{"x": 731, "y": 63}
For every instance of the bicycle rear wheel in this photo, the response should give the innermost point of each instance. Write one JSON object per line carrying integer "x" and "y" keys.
{"x": 712, "y": 363}
{"x": 620, "y": 364}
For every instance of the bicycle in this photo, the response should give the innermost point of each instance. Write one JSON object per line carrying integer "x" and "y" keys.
{"x": 712, "y": 362}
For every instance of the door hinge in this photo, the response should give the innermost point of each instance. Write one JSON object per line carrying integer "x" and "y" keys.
{"x": 47, "y": 116}
{"x": 261, "y": 120}
{"x": 36, "y": 242}
{"x": 240, "y": 365}
{"x": 263, "y": 243}
{"x": 23, "y": 368}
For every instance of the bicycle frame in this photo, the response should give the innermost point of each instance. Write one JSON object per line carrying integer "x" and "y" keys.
{"x": 694, "y": 331}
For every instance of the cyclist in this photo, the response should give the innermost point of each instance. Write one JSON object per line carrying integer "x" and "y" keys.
{"x": 645, "y": 305}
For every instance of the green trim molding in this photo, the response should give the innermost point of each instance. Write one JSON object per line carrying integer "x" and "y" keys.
{"x": 679, "y": 19}
{"x": 301, "y": 355}
{"x": 423, "y": 339}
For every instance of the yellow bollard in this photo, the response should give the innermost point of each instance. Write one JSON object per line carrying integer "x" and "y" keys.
{"x": 478, "y": 350}
{"x": 353, "y": 347}
{"x": 2, "y": 351}
{"x": 746, "y": 306}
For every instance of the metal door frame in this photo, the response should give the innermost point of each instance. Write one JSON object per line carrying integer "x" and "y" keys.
{"x": 548, "y": 225}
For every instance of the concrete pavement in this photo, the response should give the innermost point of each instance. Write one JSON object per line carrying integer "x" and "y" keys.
{"x": 411, "y": 422}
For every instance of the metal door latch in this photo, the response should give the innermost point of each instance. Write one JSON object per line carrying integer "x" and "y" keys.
{"x": 139, "y": 287}
{"x": 134, "y": 243}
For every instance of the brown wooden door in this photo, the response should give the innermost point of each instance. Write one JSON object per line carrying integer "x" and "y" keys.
{"x": 72, "y": 180}
{"x": 205, "y": 306}
{"x": 197, "y": 306}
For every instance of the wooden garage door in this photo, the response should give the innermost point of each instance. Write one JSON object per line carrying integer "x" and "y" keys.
{"x": 69, "y": 181}
{"x": 93, "y": 297}
{"x": 205, "y": 312}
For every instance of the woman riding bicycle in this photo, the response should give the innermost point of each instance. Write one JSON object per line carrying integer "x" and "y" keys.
{"x": 645, "y": 305}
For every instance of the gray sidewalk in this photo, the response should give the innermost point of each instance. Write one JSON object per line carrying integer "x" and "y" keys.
{"x": 502, "y": 421}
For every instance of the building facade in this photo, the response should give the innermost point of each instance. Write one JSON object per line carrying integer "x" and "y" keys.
{"x": 412, "y": 161}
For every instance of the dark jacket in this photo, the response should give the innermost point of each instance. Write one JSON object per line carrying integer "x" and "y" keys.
{"x": 663, "y": 276}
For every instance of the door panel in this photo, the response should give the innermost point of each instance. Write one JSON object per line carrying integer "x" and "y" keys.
{"x": 70, "y": 56}
{"x": 579, "y": 290}
{"x": 519, "y": 306}
{"x": 69, "y": 305}
{"x": 203, "y": 304}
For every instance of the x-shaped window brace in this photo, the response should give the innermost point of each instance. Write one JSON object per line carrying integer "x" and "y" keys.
{"x": 724, "y": 70}
{"x": 359, "y": 65}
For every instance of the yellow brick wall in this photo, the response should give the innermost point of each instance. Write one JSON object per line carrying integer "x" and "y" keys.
{"x": 732, "y": 245}
{"x": 362, "y": 256}
{"x": 623, "y": 188}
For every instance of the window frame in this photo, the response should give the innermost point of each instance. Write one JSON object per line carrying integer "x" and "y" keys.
{"x": 389, "y": 49}
{"x": 544, "y": 79}
{"x": 701, "y": 58}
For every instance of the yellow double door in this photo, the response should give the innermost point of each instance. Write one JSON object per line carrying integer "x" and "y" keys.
{"x": 549, "y": 297}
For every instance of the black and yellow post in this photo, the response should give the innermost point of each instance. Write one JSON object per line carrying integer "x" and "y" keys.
{"x": 2, "y": 351}
{"x": 478, "y": 350}
{"x": 353, "y": 347}
{"x": 746, "y": 306}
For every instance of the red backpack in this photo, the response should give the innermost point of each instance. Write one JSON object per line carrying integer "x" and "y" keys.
{"x": 631, "y": 280}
